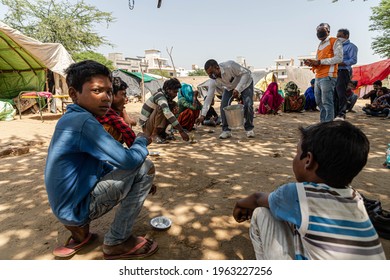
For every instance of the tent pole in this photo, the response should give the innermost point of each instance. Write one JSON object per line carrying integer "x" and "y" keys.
{"x": 142, "y": 86}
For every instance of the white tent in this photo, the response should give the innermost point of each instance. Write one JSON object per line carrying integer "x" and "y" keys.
{"x": 24, "y": 62}
{"x": 300, "y": 76}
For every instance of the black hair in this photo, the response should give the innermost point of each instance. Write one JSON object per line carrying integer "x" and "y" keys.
{"x": 340, "y": 149}
{"x": 378, "y": 83}
{"x": 385, "y": 90}
{"x": 323, "y": 24}
{"x": 81, "y": 72}
{"x": 210, "y": 63}
{"x": 345, "y": 31}
{"x": 172, "y": 104}
{"x": 118, "y": 84}
{"x": 172, "y": 83}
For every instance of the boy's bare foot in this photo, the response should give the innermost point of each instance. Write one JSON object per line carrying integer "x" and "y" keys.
{"x": 79, "y": 234}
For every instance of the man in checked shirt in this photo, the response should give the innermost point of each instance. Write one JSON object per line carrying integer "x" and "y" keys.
{"x": 116, "y": 121}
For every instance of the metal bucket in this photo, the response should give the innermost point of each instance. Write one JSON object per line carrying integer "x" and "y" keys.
{"x": 235, "y": 116}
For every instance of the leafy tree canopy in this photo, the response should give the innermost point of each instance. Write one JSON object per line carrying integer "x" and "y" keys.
{"x": 62, "y": 22}
{"x": 381, "y": 22}
{"x": 198, "y": 72}
{"x": 93, "y": 56}
{"x": 163, "y": 73}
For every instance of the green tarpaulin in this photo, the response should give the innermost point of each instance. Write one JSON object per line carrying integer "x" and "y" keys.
{"x": 24, "y": 62}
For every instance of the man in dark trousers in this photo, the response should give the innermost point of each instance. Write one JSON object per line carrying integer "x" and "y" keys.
{"x": 344, "y": 74}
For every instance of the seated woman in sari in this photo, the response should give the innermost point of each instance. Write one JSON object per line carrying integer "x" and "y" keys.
{"x": 271, "y": 102}
{"x": 293, "y": 101}
{"x": 310, "y": 104}
{"x": 189, "y": 106}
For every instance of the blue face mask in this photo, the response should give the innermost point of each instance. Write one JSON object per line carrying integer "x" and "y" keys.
{"x": 213, "y": 76}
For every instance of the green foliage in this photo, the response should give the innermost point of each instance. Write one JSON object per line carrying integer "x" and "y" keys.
{"x": 197, "y": 72}
{"x": 163, "y": 73}
{"x": 337, "y": 1}
{"x": 58, "y": 22}
{"x": 381, "y": 22}
{"x": 93, "y": 56}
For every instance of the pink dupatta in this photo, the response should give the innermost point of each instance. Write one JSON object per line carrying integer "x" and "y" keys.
{"x": 272, "y": 98}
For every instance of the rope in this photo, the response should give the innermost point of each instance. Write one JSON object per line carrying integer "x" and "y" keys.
{"x": 131, "y": 4}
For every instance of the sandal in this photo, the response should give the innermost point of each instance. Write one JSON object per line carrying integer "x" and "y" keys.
{"x": 71, "y": 247}
{"x": 132, "y": 255}
{"x": 160, "y": 140}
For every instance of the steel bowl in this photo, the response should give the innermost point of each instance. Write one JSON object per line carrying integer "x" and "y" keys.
{"x": 161, "y": 223}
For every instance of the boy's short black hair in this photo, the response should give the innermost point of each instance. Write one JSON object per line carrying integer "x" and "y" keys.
{"x": 378, "y": 83}
{"x": 345, "y": 31}
{"x": 172, "y": 83}
{"x": 340, "y": 149}
{"x": 81, "y": 72}
{"x": 385, "y": 90}
{"x": 209, "y": 63}
{"x": 172, "y": 104}
{"x": 118, "y": 84}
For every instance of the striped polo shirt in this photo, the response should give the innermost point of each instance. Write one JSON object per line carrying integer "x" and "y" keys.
{"x": 157, "y": 99}
{"x": 334, "y": 225}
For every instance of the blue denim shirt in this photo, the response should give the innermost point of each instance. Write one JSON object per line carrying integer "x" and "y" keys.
{"x": 81, "y": 152}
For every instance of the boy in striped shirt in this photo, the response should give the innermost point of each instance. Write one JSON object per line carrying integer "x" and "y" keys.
{"x": 156, "y": 112}
{"x": 320, "y": 216}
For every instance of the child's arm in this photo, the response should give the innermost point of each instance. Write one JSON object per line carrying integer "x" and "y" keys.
{"x": 99, "y": 144}
{"x": 244, "y": 207}
{"x": 128, "y": 119}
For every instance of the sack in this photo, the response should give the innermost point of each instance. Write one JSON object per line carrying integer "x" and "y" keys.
{"x": 7, "y": 111}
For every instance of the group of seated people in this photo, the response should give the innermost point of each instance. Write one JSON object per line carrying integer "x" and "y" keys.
{"x": 158, "y": 112}
{"x": 88, "y": 173}
{"x": 273, "y": 102}
{"x": 183, "y": 114}
{"x": 379, "y": 105}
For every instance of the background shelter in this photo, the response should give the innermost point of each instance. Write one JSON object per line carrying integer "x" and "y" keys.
{"x": 24, "y": 63}
{"x": 368, "y": 74}
{"x": 300, "y": 76}
{"x": 134, "y": 81}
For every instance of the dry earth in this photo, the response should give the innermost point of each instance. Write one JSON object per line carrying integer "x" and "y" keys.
{"x": 198, "y": 186}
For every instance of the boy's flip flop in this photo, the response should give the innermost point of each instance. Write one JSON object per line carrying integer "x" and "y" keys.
{"x": 71, "y": 247}
{"x": 132, "y": 255}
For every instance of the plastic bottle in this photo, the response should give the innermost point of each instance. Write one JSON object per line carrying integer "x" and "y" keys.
{"x": 387, "y": 161}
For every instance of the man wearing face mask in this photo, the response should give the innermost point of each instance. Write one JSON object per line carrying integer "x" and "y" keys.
{"x": 344, "y": 74}
{"x": 237, "y": 83}
{"x": 329, "y": 54}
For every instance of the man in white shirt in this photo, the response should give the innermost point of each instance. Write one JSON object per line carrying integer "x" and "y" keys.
{"x": 237, "y": 83}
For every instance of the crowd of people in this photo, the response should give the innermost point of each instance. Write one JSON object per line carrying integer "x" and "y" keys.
{"x": 89, "y": 171}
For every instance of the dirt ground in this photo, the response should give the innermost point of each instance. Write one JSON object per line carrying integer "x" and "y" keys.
{"x": 198, "y": 185}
